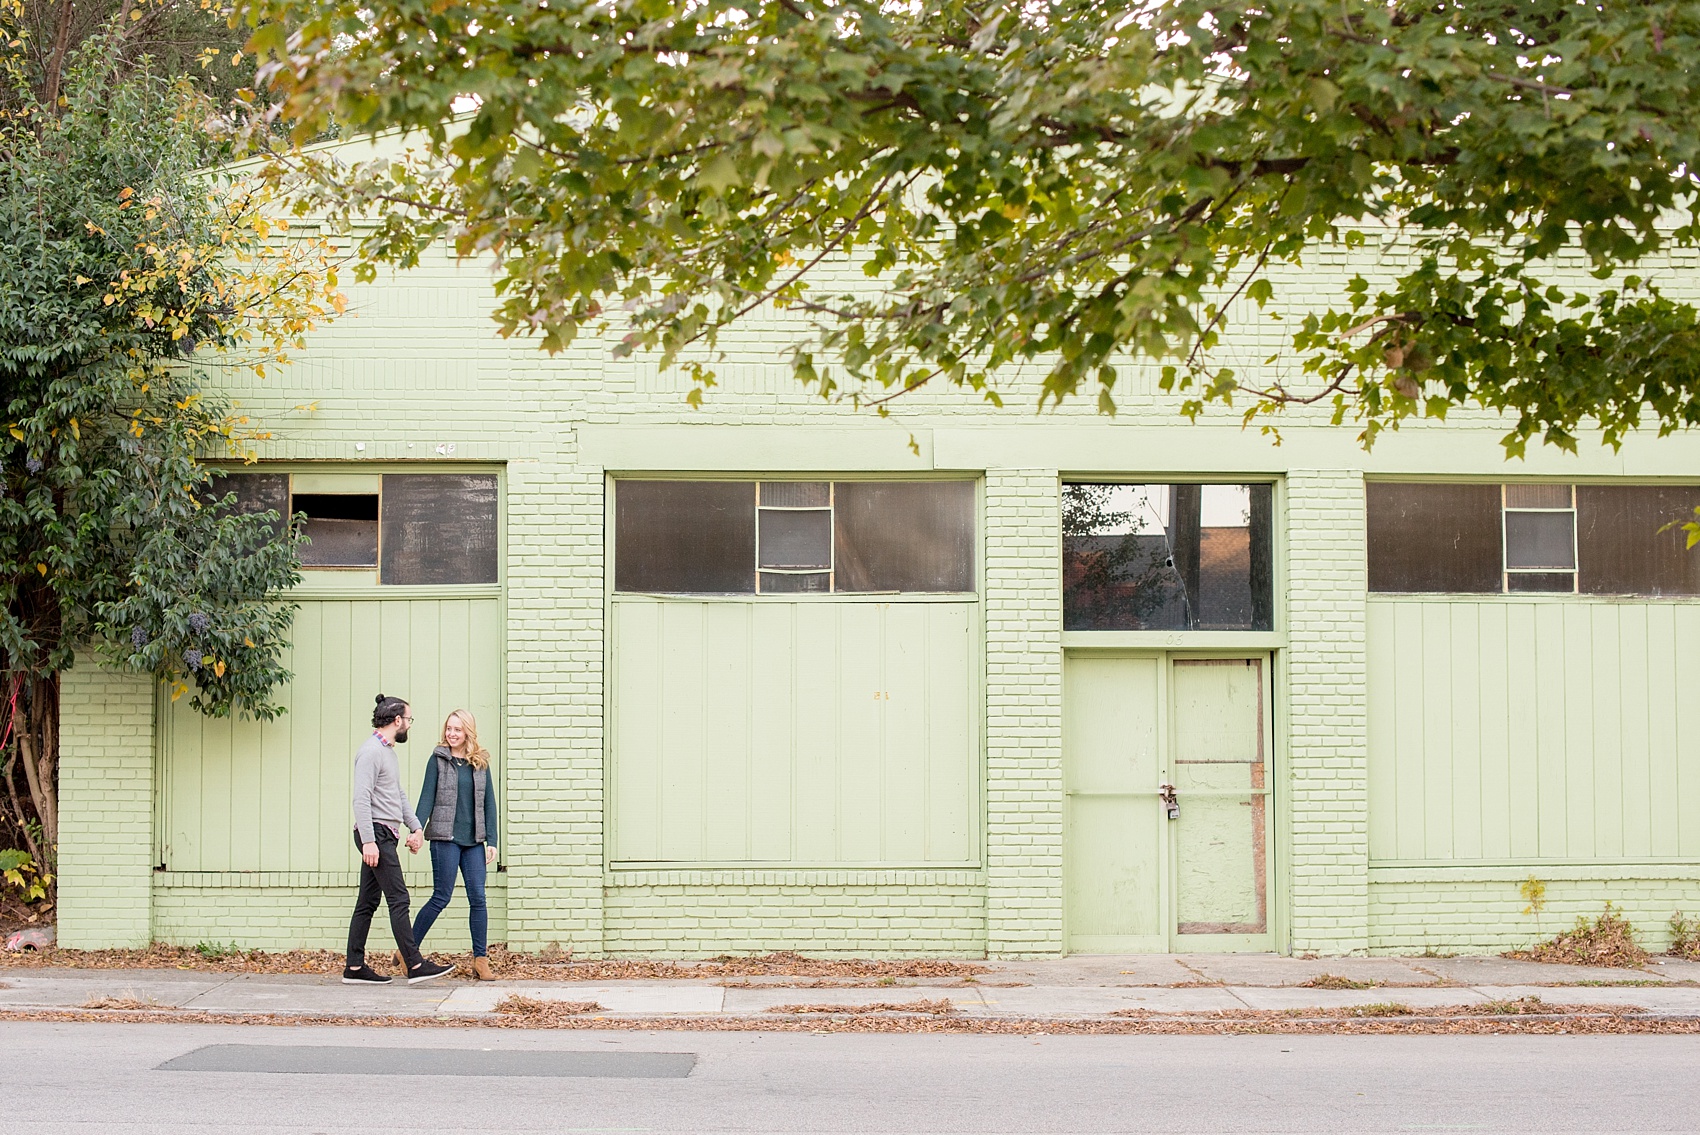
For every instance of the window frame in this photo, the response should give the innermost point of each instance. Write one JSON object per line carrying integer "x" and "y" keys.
{"x": 613, "y": 477}
{"x": 1574, "y": 484}
{"x": 830, "y": 508}
{"x": 366, "y": 582}
{"x": 1274, "y": 638}
{"x": 1506, "y": 571}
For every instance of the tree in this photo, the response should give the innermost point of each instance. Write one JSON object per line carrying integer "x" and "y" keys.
{"x": 1077, "y": 186}
{"x": 192, "y": 39}
{"x": 126, "y": 273}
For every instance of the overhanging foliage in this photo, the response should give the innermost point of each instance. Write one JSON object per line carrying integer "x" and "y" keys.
{"x": 1074, "y": 185}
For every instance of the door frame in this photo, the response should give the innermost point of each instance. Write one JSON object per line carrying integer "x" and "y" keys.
{"x": 1275, "y": 938}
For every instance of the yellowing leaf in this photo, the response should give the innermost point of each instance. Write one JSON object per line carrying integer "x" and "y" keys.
{"x": 218, "y": 667}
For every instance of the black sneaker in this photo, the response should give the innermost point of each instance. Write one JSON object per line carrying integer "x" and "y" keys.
{"x": 426, "y": 970}
{"x": 364, "y": 975}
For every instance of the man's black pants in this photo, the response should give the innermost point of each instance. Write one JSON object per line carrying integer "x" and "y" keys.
{"x": 385, "y": 880}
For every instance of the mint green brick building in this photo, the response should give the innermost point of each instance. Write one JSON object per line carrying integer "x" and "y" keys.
{"x": 776, "y": 674}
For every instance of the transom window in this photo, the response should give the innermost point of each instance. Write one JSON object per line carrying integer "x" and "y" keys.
{"x": 1531, "y": 537}
{"x": 1167, "y": 557}
{"x": 793, "y": 537}
{"x": 412, "y": 528}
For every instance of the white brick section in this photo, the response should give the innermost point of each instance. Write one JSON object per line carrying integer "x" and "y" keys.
{"x": 1024, "y": 789}
{"x": 1327, "y": 730}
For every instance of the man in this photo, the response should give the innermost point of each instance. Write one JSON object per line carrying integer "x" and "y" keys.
{"x": 380, "y": 809}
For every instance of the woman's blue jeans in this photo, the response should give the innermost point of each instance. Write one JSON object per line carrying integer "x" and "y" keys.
{"x": 447, "y": 857}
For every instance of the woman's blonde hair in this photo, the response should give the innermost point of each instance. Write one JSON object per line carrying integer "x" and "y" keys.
{"x": 477, "y": 755}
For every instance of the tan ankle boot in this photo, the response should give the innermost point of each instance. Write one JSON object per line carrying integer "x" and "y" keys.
{"x": 396, "y": 960}
{"x": 481, "y": 969}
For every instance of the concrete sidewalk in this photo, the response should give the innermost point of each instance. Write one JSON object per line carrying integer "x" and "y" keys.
{"x": 1069, "y": 988}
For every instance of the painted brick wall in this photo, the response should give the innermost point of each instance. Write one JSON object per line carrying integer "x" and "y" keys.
{"x": 106, "y": 765}
{"x": 1327, "y": 731}
{"x": 284, "y": 917}
{"x": 1486, "y": 915}
{"x": 1024, "y": 791}
{"x": 909, "y": 921}
{"x": 554, "y": 669}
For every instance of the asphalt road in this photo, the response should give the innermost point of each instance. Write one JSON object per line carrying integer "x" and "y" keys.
{"x": 110, "y": 1079}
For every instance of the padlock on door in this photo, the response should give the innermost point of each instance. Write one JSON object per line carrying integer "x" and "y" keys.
{"x": 1171, "y": 805}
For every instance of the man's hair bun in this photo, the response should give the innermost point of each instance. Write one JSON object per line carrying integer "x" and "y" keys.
{"x": 387, "y": 709}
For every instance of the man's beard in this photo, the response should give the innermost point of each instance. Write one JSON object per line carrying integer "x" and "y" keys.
{"x": 401, "y": 737}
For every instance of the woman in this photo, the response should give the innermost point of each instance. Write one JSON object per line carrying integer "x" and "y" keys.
{"x": 458, "y": 805}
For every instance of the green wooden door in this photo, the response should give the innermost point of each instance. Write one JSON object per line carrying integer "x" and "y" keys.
{"x": 1115, "y": 855}
{"x": 1136, "y": 878}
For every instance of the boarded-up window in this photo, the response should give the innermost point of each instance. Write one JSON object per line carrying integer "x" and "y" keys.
{"x": 790, "y": 537}
{"x": 1625, "y": 546}
{"x": 1434, "y": 537}
{"x": 685, "y": 536}
{"x": 439, "y": 528}
{"x": 341, "y": 529}
{"x": 1167, "y": 557}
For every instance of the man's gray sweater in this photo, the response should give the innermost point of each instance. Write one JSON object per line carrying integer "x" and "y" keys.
{"x": 378, "y": 797}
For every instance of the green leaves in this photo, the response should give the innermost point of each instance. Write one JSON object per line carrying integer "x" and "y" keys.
{"x": 1068, "y": 186}
{"x": 120, "y": 258}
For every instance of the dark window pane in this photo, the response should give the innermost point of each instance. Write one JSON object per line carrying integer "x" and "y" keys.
{"x": 1540, "y": 540}
{"x": 255, "y": 492}
{"x": 685, "y": 536}
{"x": 1433, "y": 537}
{"x": 338, "y": 506}
{"x": 795, "y": 494}
{"x": 439, "y": 528}
{"x": 773, "y": 583}
{"x": 1167, "y": 557}
{"x": 1622, "y": 550}
{"x": 340, "y": 543}
{"x": 904, "y": 535}
{"x": 341, "y": 529}
{"x": 1537, "y": 496}
{"x": 796, "y": 539}
{"x": 1563, "y": 581}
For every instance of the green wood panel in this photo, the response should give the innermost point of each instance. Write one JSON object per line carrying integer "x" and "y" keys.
{"x": 1532, "y": 730}
{"x": 1113, "y": 857}
{"x": 794, "y": 732}
{"x": 244, "y": 795}
{"x": 1220, "y": 771}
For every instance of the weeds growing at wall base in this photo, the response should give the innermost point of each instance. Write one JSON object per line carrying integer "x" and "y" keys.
{"x": 1684, "y": 938}
{"x": 1609, "y": 940}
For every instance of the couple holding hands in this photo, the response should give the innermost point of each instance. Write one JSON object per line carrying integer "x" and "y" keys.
{"x": 459, "y": 802}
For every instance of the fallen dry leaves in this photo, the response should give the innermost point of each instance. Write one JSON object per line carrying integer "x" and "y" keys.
{"x": 126, "y": 1003}
{"x": 1591, "y": 1022}
{"x": 1609, "y": 940}
{"x": 521, "y": 1005}
{"x": 1335, "y": 981}
{"x": 938, "y": 1007}
{"x": 508, "y": 965}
